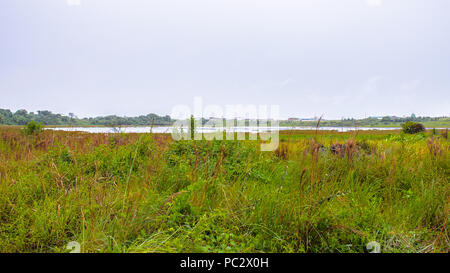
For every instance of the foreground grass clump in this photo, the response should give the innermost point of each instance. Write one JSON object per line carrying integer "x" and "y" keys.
{"x": 324, "y": 192}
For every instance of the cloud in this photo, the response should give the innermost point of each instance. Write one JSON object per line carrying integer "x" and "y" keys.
{"x": 374, "y": 3}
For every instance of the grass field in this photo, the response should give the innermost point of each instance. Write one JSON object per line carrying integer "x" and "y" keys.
{"x": 147, "y": 193}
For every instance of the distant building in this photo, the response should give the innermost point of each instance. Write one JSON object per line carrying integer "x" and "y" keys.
{"x": 293, "y": 119}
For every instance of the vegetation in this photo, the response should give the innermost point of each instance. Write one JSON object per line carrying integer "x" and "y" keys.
{"x": 22, "y": 117}
{"x": 33, "y": 128}
{"x": 318, "y": 192}
{"x": 410, "y": 127}
{"x": 430, "y": 122}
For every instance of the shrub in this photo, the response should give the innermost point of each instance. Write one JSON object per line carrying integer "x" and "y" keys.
{"x": 410, "y": 127}
{"x": 33, "y": 128}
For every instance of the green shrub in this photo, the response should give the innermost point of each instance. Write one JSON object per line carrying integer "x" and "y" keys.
{"x": 33, "y": 128}
{"x": 410, "y": 127}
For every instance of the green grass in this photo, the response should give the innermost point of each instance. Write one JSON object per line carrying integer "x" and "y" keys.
{"x": 367, "y": 123}
{"x": 147, "y": 193}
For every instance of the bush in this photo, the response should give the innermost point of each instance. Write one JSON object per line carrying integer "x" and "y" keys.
{"x": 410, "y": 127}
{"x": 33, "y": 128}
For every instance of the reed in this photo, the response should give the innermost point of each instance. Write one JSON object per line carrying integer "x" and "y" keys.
{"x": 147, "y": 193}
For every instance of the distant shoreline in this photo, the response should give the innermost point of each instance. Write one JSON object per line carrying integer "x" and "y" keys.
{"x": 395, "y": 127}
{"x": 287, "y": 126}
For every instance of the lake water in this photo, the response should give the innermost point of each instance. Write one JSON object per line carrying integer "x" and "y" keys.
{"x": 249, "y": 129}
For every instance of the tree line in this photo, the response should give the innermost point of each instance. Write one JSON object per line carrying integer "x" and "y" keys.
{"x": 22, "y": 117}
{"x": 371, "y": 122}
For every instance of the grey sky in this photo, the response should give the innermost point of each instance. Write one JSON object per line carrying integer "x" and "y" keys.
{"x": 128, "y": 57}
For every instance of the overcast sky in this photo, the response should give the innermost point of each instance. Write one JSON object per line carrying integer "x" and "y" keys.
{"x": 346, "y": 58}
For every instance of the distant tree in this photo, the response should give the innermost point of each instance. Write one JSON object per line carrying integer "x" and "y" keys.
{"x": 21, "y": 112}
{"x": 72, "y": 116}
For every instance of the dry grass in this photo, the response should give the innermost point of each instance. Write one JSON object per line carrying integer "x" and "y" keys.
{"x": 147, "y": 193}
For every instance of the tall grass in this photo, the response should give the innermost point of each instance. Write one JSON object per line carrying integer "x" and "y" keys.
{"x": 146, "y": 193}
